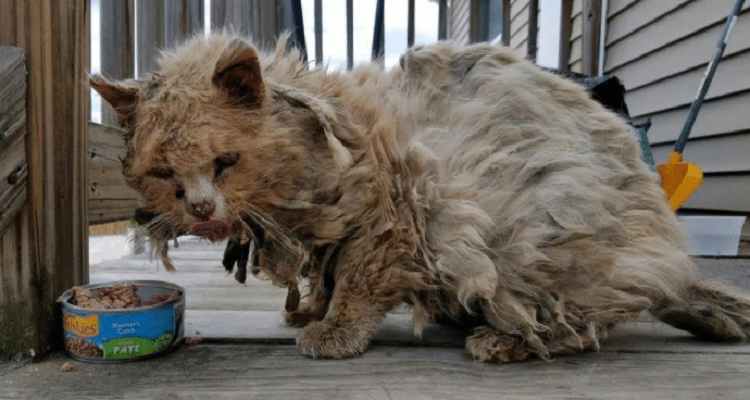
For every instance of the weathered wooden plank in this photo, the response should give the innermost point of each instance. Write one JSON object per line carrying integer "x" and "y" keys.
{"x": 52, "y": 234}
{"x": 117, "y": 38}
{"x": 637, "y": 16}
{"x": 691, "y": 52}
{"x": 183, "y": 19}
{"x": 591, "y": 27}
{"x": 266, "y": 327}
{"x": 151, "y": 37}
{"x": 680, "y": 90}
{"x": 727, "y": 153}
{"x": 13, "y": 186}
{"x": 397, "y": 330}
{"x": 258, "y": 19}
{"x": 233, "y": 14}
{"x": 110, "y": 199}
{"x": 718, "y": 116}
{"x": 685, "y": 21}
{"x": 13, "y": 165}
{"x": 384, "y": 372}
{"x": 566, "y": 26}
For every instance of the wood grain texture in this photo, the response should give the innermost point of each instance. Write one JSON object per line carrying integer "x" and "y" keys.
{"x": 13, "y": 165}
{"x": 117, "y": 38}
{"x": 151, "y": 37}
{"x": 110, "y": 199}
{"x": 183, "y": 19}
{"x": 47, "y": 250}
{"x": 384, "y": 372}
{"x": 256, "y": 18}
{"x": 591, "y": 28}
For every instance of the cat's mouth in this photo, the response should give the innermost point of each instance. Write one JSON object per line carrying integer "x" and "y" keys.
{"x": 212, "y": 230}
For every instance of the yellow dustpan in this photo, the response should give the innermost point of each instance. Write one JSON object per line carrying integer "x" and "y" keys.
{"x": 680, "y": 179}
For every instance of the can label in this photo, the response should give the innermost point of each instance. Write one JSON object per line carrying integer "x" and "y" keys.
{"x": 119, "y": 336}
{"x": 84, "y": 327}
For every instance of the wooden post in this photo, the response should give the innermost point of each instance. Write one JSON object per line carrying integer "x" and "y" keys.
{"x": 410, "y": 25}
{"x": 318, "y": 10}
{"x": 531, "y": 46}
{"x": 183, "y": 19}
{"x": 259, "y": 19}
{"x": 45, "y": 251}
{"x": 442, "y": 19}
{"x": 506, "y": 23}
{"x": 110, "y": 199}
{"x": 566, "y": 26}
{"x": 591, "y": 27}
{"x": 117, "y": 47}
{"x": 150, "y": 26}
{"x": 13, "y": 166}
{"x": 349, "y": 34}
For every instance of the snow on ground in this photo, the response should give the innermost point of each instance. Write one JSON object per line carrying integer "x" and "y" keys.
{"x": 108, "y": 248}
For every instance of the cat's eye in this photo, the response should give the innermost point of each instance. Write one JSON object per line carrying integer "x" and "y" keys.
{"x": 161, "y": 173}
{"x": 179, "y": 193}
{"x": 225, "y": 161}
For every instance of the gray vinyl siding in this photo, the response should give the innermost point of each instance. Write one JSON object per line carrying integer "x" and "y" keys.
{"x": 519, "y": 25}
{"x": 460, "y": 21}
{"x": 575, "y": 62}
{"x": 660, "y": 50}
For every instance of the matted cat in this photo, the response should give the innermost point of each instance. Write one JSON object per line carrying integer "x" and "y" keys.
{"x": 467, "y": 183}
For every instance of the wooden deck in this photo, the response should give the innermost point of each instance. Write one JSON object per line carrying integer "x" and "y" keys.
{"x": 246, "y": 353}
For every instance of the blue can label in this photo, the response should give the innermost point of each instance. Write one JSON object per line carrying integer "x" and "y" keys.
{"x": 119, "y": 336}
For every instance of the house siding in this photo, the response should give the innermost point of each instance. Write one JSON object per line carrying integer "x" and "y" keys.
{"x": 460, "y": 21}
{"x": 660, "y": 50}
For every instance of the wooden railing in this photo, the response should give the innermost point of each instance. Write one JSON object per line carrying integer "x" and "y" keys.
{"x": 132, "y": 33}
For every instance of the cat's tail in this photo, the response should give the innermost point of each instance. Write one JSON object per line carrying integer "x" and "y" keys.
{"x": 710, "y": 310}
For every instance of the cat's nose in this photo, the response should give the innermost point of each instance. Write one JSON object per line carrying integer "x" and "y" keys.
{"x": 202, "y": 209}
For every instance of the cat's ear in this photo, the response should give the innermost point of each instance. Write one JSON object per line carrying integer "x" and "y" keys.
{"x": 238, "y": 74}
{"x": 123, "y": 97}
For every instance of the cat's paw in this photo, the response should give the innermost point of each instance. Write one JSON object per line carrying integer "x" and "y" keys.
{"x": 300, "y": 318}
{"x": 321, "y": 340}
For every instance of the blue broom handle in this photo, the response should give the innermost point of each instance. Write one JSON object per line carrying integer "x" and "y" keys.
{"x": 708, "y": 77}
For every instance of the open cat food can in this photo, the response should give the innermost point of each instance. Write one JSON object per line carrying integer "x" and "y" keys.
{"x": 122, "y": 321}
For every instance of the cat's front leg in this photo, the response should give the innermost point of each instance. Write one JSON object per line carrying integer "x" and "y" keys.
{"x": 364, "y": 293}
{"x": 315, "y": 306}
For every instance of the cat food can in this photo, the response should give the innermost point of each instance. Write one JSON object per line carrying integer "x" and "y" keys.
{"x": 124, "y": 334}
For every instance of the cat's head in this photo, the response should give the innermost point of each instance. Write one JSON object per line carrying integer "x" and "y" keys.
{"x": 201, "y": 150}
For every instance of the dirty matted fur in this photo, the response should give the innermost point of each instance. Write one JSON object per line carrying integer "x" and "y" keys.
{"x": 467, "y": 183}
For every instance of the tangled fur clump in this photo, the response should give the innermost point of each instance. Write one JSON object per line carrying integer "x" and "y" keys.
{"x": 468, "y": 183}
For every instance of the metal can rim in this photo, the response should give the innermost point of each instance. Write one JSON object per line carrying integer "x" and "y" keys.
{"x": 150, "y": 283}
